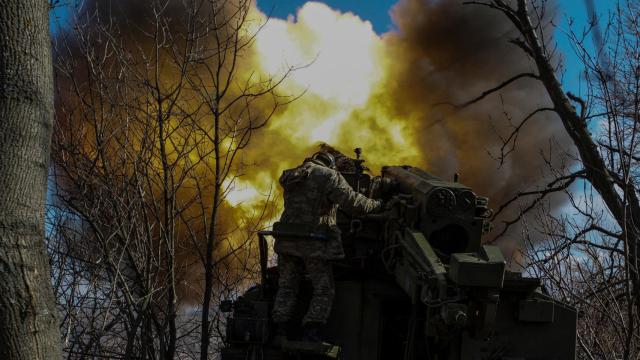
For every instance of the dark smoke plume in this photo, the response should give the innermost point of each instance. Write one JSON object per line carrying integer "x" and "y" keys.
{"x": 447, "y": 52}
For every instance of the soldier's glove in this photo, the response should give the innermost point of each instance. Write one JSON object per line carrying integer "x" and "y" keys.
{"x": 380, "y": 206}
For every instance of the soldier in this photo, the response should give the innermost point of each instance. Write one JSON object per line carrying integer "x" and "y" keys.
{"x": 313, "y": 192}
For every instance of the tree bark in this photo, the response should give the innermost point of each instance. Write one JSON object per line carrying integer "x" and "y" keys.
{"x": 28, "y": 315}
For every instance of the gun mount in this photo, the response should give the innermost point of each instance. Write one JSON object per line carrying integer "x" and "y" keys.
{"x": 417, "y": 283}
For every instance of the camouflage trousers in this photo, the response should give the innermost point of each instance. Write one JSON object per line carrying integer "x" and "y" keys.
{"x": 292, "y": 269}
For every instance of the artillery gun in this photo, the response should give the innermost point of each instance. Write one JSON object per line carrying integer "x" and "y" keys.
{"x": 417, "y": 283}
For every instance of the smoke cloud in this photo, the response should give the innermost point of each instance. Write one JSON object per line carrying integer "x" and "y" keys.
{"x": 446, "y": 52}
{"x": 387, "y": 94}
{"x": 441, "y": 53}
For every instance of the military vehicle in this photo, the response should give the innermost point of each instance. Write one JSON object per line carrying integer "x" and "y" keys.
{"x": 417, "y": 283}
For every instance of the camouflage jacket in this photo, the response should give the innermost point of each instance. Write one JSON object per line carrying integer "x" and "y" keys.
{"x": 312, "y": 195}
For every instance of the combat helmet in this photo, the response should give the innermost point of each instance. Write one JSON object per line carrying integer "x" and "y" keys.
{"x": 325, "y": 158}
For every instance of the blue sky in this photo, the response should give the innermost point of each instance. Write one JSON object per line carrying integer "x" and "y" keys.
{"x": 376, "y": 11}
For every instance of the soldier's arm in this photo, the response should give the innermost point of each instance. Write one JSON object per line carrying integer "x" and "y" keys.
{"x": 339, "y": 191}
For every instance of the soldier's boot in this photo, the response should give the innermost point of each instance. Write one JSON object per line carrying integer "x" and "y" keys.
{"x": 280, "y": 333}
{"x": 311, "y": 332}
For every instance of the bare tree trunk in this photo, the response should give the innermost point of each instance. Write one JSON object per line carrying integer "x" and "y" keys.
{"x": 28, "y": 321}
{"x": 211, "y": 239}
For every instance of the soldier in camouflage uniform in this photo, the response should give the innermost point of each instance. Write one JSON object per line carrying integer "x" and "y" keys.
{"x": 312, "y": 194}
